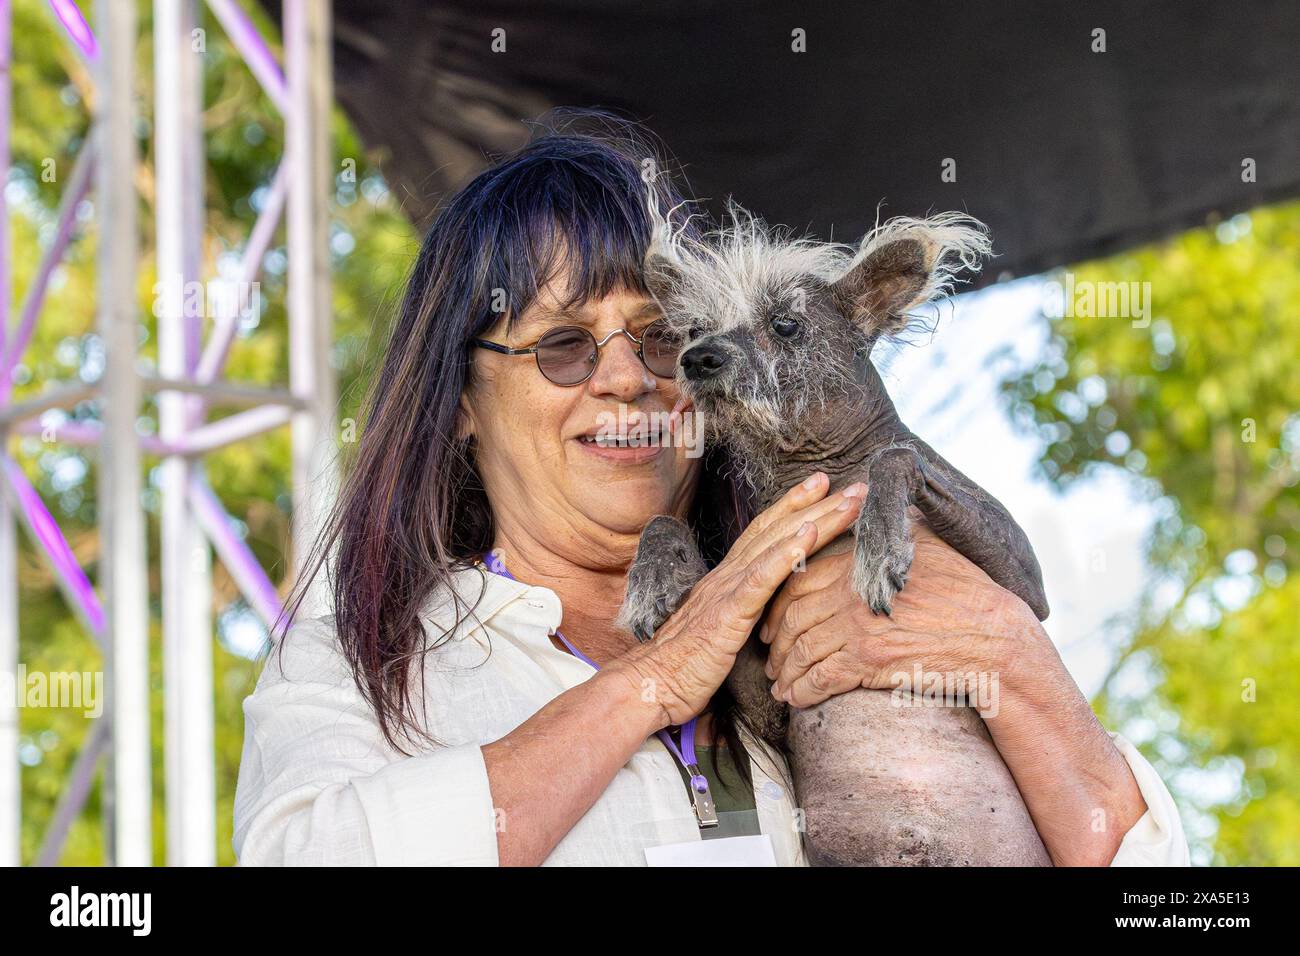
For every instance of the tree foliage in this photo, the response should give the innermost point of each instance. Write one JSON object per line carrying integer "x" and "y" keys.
{"x": 1200, "y": 401}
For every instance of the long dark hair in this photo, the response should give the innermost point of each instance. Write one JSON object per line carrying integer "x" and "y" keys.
{"x": 412, "y": 510}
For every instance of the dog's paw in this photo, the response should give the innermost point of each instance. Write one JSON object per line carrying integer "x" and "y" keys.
{"x": 666, "y": 568}
{"x": 877, "y": 585}
{"x": 882, "y": 555}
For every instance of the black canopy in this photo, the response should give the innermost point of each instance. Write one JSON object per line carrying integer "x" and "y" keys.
{"x": 1067, "y": 153}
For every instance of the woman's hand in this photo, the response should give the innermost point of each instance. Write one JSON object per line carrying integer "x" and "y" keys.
{"x": 951, "y": 618}
{"x": 694, "y": 650}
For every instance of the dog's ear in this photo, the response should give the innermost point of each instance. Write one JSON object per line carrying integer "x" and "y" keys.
{"x": 905, "y": 263}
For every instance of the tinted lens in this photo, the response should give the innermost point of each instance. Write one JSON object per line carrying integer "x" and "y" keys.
{"x": 566, "y": 355}
{"x": 660, "y": 349}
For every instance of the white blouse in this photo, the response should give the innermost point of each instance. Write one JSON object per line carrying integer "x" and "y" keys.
{"x": 319, "y": 784}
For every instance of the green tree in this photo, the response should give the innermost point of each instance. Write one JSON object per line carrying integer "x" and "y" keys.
{"x": 1200, "y": 401}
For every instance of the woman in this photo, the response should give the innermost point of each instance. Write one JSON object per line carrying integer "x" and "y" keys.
{"x": 442, "y": 714}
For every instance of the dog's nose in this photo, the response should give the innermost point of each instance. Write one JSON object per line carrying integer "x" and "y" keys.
{"x": 703, "y": 361}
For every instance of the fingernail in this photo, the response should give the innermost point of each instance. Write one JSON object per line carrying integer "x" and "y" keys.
{"x": 805, "y": 527}
{"x": 846, "y": 504}
{"x": 777, "y": 693}
{"x": 762, "y": 633}
{"x": 811, "y": 481}
{"x": 855, "y": 490}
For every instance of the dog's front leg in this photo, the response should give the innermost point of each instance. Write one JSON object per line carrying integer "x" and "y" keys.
{"x": 977, "y": 525}
{"x": 883, "y": 553}
{"x": 959, "y": 511}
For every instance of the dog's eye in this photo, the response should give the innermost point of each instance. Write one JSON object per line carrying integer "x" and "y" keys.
{"x": 784, "y": 324}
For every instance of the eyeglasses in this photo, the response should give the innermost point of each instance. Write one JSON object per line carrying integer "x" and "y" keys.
{"x": 567, "y": 354}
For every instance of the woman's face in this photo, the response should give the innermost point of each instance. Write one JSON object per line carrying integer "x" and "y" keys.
{"x": 542, "y": 479}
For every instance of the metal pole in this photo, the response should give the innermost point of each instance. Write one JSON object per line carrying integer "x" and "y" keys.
{"x": 10, "y": 768}
{"x": 239, "y": 28}
{"x": 224, "y": 327}
{"x": 128, "y": 818}
{"x": 77, "y": 188}
{"x": 186, "y": 564}
{"x": 309, "y": 157}
{"x": 48, "y": 538}
{"x": 239, "y": 560}
{"x": 73, "y": 799}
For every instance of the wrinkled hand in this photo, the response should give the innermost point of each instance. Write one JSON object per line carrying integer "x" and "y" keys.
{"x": 695, "y": 648}
{"x": 950, "y": 618}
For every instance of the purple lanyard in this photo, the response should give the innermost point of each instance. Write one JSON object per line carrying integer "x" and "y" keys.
{"x": 705, "y": 811}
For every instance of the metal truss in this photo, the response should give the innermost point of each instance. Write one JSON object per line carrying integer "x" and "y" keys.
{"x": 193, "y": 522}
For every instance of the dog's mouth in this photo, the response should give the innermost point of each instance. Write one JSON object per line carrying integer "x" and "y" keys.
{"x": 709, "y": 396}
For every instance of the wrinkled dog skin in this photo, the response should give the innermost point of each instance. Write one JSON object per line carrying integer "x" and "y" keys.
{"x": 779, "y": 335}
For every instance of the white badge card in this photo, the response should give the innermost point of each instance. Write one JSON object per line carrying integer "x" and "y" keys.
{"x": 753, "y": 850}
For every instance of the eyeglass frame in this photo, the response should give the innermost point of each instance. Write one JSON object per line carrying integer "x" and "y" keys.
{"x": 600, "y": 344}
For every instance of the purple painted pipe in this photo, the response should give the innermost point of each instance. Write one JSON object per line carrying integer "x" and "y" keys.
{"x": 83, "y": 176}
{"x": 70, "y": 16}
{"x": 261, "y": 61}
{"x": 89, "y": 434}
{"x": 47, "y": 534}
{"x": 239, "y": 560}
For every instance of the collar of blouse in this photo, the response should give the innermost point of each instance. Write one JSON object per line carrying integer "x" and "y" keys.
{"x": 485, "y": 594}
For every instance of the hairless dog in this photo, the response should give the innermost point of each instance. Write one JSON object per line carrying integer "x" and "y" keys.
{"x": 778, "y": 335}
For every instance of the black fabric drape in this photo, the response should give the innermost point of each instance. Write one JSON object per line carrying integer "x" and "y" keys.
{"x": 1066, "y": 153}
